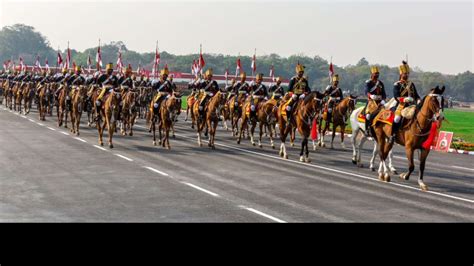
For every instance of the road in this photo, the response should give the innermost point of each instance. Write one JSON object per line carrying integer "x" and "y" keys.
{"x": 49, "y": 175}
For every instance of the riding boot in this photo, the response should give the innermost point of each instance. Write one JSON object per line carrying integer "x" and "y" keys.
{"x": 395, "y": 128}
{"x": 368, "y": 130}
{"x": 97, "y": 110}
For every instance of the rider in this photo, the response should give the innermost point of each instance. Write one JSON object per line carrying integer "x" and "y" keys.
{"x": 258, "y": 91}
{"x": 298, "y": 87}
{"x": 163, "y": 88}
{"x": 376, "y": 96}
{"x": 277, "y": 90}
{"x": 108, "y": 81}
{"x": 404, "y": 92}
{"x": 209, "y": 88}
{"x": 335, "y": 95}
{"x": 240, "y": 89}
{"x": 126, "y": 81}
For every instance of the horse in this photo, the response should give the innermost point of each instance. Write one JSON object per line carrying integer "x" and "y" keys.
{"x": 8, "y": 92}
{"x": 44, "y": 98}
{"x": 78, "y": 97}
{"x": 359, "y": 132}
{"x": 144, "y": 100}
{"x": 189, "y": 109}
{"x": 210, "y": 119}
{"x": 18, "y": 95}
{"x": 28, "y": 94}
{"x": 169, "y": 111}
{"x": 235, "y": 111}
{"x": 412, "y": 134}
{"x": 339, "y": 113}
{"x": 92, "y": 95}
{"x": 129, "y": 112}
{"x": 109, "y": 113}
{"x": 62, "y": 108}
{"x": 265, "y": 116}
{"x": 286, "y": 126}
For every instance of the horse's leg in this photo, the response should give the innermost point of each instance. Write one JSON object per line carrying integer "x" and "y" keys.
{"x": 252, "y": 131}
{"x": 423, "y": 156}
{"x": 65, "y": 117}
{"x": 292, "y": 136}
{"x": 100, "y": 128}
{"x": 242, "y": 128}
{"x": 354, "y": 146}
{"x": 343, "y": 130}
{"x": 153, "y": 129}
{"x": 334, "y": 127}
{"x": 111, "y": 130}
{"x": 167, "y": 136}
{"x": 306, "y": 159}
{"x": 411, "y": 165}
{"x": 271, "y": 135}
{"x": 260, "y": 125}
{"x": 302, "y": 150}
{"x": 390, "y": 164}
{"x": 374, "y": 152}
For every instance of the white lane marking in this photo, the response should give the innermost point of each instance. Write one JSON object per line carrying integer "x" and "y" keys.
{"x": 201, "y": 189}
{"x": 24, "y": 116}
{"x": 337, "y": 171}
{"x": 65, "y": 133}
{"x": 53, "y": 129}
{"x": 80, "y": 139}
{"x": 460, "y": 167}
{"x": 263, "y": 214}
{"x": 39, "y": 124}
{"x": 100, "y": 148}
{"x": 31, "y": 120}
{"x": 123, "y": 157}
{"x": 156, "y": 171}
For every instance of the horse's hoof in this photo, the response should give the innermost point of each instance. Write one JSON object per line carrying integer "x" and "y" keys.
{"x": 101, "y": 143}
{"x": 260, "y": 145}
{"x": 343, "y": 146}
{"x": 404, "y": 176}
{"x": 301, "y": 159}
{"x": 174, "y": 136}
{"x": 154, "y": 143}
{"x": 423, "y": 187}
{"x": 281, "y": 154}
{"x": 238, "y": 141}
{"x": 372, "y": 169}
{"x": 292, "y": 144}
{"x": 111, "y": 145}
{"x": 323, "y": 145}
{"x": 200, "y": 144}
{"x": 77, "y": 134}
{"x": 381, "y": 177}
{"x": 307, "y": 160}
{"x": 253, "y": 143}
{"x": 387, "y": 177}
{"x": 360, "y": 165}
{"x": 394, "y": 171}
{"x": 286, "y": 156}
{"x": 354, "y": 161}
{"x": 273, "y": 146}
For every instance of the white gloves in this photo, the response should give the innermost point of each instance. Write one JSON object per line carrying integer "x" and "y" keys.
{"x": 408, "y": 100}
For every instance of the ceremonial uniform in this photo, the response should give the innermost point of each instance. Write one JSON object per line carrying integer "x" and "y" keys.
{"x": 259, "y": 92}
{"x": 209, "y": 88}
{"x": 335, "y": 96}
{"x": 376, "y": 96}
{"x": 298, "y": 87}
{"x": 163, "y": 89}
{"x": 277, "y": 90}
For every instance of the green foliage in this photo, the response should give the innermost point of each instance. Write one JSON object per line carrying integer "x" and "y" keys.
{"x": 21, "y": 40}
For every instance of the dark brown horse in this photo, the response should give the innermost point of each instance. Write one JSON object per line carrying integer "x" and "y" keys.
{"x": 340, "y": 116}
{"x": 412, "y": 134}
{"x": 129, "y": 112}
{"x": 61, "y": 108}
{"x": 44, "y": 97}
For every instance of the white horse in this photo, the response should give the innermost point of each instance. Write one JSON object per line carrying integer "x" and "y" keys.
{"x": 358, "y": 131}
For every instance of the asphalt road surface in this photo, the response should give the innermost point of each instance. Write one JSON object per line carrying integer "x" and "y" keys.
{"x": 49, "y": 175}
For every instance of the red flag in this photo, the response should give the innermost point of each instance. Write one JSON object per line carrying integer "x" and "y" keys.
{"x": 314, "y": 130}
{"x": 6, "y": 64}
{"x": 271, "y": 73}
{"x": 238, "y": 67}
{"x": 68, "y": 57}
{"x": 331, "y": 70}
{"x": 22, "y": 65}
{"x": 89, "y": 62}
{"x": 119, "y": 61}
{"x": 60, "y": 59}
{"x": 156, "y": 61}
{"x": 37, "y": 63}
{"x": 46, "y": 65}
{"x": 202, "y": 63}
{"x": 74, "y": 65}
{"x": 254, "y": 63}
{"x": 98, "y": 58}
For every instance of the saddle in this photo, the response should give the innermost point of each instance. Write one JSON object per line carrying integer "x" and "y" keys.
{"x": 384, "y": 116}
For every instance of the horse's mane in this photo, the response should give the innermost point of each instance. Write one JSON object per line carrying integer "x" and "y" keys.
{"x": 309, "y": 97}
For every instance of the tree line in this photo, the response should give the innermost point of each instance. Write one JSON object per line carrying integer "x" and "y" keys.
{"x": 22, "y": 40}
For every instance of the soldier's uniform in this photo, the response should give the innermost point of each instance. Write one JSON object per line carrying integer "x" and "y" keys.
{"x": 335, "y": 96}
{"x": 299, "y": 87}
{"x": 404, "y": 92}
{"x": 209, "y": 88}
{"x": 258, "y": 93}
{"x": 376, "y": 96}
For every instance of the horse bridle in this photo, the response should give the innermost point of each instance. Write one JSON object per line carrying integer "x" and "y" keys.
{"x": 435, "y": 117}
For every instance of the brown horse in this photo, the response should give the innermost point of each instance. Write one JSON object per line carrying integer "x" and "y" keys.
{"x": 8, "y": 92}
{"x": 189, "y": 109}
{"x": 412, "y": 134}
{"x": 61, "y": 108}
{"x": 340, "y": 116}
{"x": 28, "y": 94}
{"x": 235, "y": 111}
{"x": 286, "y": 126}
{"x": 129, "y": 112}
{"x": 92, "y": 95}
{"x": 211, "y": 117}
{"x": 44, "y": 98}
{"x": 169, "y": 110}
{"x": 109, "y": 113}
{"x": 265, "y": 116}
{"x": 77, "y": 101}
{"x": 18, "y": 95}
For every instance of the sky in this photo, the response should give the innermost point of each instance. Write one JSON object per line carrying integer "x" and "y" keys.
{"x": 436, "y": 35}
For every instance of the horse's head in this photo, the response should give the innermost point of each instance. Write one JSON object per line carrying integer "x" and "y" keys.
{"x": 314, "y": 101}
{"x": 178, "y": 96}
{"x": 352, "y": 102}
{"x": 433, "y": 103}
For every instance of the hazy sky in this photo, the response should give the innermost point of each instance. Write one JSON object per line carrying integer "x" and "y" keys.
{"x": 438, "y": 36}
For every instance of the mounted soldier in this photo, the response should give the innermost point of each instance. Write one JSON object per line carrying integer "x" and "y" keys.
{"x": 258, "y": 92}
{"x": 108, "y": 81}
{"x": 335, "y": 96}
{"x": 404, "y": 92}
{"x": 163, "y": 89}
{"x": 298, "y": 88}
{"x": 277, "y": 90}
{"x": 209, "y": 88}
{"x": 240, "y": 89}
{"x": 376, "y": 96}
